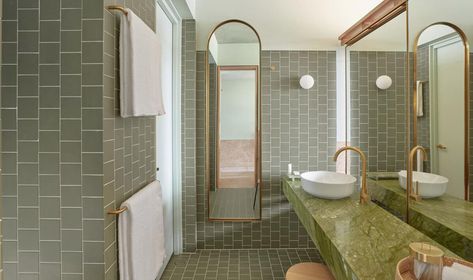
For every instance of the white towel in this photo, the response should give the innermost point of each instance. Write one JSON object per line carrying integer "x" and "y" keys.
{"x": 420, "y": 161}
{"x": 420, "y": 99}
{"x": 453, "y": 273}
{"x": 141, "y": 235}
{"x": 140, "y": 69}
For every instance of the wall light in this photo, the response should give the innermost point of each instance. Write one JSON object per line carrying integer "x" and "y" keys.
{"x": 306, "y": 82}
{"x": 384, "y": 82}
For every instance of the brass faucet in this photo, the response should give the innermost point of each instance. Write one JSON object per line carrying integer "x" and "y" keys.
{"x": 410, "y": 165}
{"x": 364, "y": 197}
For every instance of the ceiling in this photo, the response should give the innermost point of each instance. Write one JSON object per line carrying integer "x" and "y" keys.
{"x": 285, "y": 24}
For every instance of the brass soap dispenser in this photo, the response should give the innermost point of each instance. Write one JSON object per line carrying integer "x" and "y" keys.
{"x": 428, "y": 261}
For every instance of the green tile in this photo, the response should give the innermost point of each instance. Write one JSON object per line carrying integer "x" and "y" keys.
{"x": 92, "y": 141}
{"x": 28, "y": 107}
{"x": 28, "y": 41}
{"x": 92, "y": 97}
{"x": 28, "y": 218}
{"x": 93, "y": 252}
{"x": 28, "y": 85}
{"x": 49, "y": 185}
{"x": 71, "y": 240}
{"x": 9, "y": 75}
{"x": 49, "y": 97}
{"x": 92, "y": 208}
{"x": 28, "y": 3}
{"x": 71, "y": 196}
{"x": 71, "y": 218}
{"x": 10, "y": 250}
{"x": 92, "y": 52}
{"x": 28, "y": 64}
{"x": 49, "y": 53}
{"x": 8, "y": 97}
{"x": 9, "y": 230}
{"x": 91, "y": 231}
{"x": 71, "y": 107}
{"x": 28, "y": 240}
{"x": 28, "y": 151}
{"x": 9, "y": 9}
{"x": 71, "y": 41}
{"x": 28, "y": 195}
{"x": 49, "y": 230}
{"x": 92, "y": 185}
{"x": 92, "y": 163}
{"x": 70, "y": 63}
{"x": 70, "y": 130}
{"x": 50, "y": 251}
{"x": 49, "y": 271}
{"x": 49, "y": 163}
{"x": 49, "y": 141}
{"x": 92, "y": 9}
{"x": 9, "y": 141}
{"x": 27, "y": 129}
{"x": 28, "y": 173}
{"x": 71, "y": 19}
{"x": 49, "y": 75}
{"x": 50, "y": 31}
{"x": 9, "y": 163}
{"x": 95, "y": 271}
{"x": 92, "y": 118}
{"x": 9, "y": 31}
{"x": 71, "y": 85}
{"x": 71, "y": 152}
{"x": 49, "y": 119}
{"x": 9, "y": 119}
{"x": 28, "y": 262}
{"x": 92, "y": 29}
{"x": 92, "y": 74}
{"x": 70, "y": 4}
{"x": 10, "y": 207}
{"x": 50, "y": 207}
{"x": 50, "y": 9}
{"x": 28, "y": 20}
{"x": 9, "y": 51}
{"x": 72, "y": 262}
{"x": 70, "y": 174}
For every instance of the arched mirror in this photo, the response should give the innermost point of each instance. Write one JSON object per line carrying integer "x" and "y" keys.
{"x": 441, "y": 104}
{"x": 233, "y": 140}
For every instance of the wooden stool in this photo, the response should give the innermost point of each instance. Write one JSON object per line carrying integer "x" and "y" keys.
{"x": 309, "y": 271}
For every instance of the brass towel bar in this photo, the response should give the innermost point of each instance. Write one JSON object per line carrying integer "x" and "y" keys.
{"x": 118, "y": 8}
{"x": 118, "y": 211}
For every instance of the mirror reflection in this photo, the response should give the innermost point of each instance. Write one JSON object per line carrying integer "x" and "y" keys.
{"x": 233, "y": 128}
{"x": 439, "y": 113}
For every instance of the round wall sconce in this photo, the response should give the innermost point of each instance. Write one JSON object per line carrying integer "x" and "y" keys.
{"x": 306, "y": 82}
{"x": 384, "y": 82}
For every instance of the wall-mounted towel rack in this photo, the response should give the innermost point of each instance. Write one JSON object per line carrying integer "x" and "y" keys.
{"x": 117, "y": 8}
{"x": 118, "y": 211}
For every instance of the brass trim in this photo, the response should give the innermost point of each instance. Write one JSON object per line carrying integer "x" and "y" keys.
{"x": 118, "y": 211}
{"x": 466, "y": 98}
{"x": 410, "y": 165}
{"x": 378, "y": 16}
{"x": 118, "y": 8}
{"x": 207, "y": 122}
{"x": 426, "y": 253}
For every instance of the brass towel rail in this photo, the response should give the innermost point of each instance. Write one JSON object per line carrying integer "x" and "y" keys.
{"x": 117, "y": 8}
{"x": 118, "y": 211}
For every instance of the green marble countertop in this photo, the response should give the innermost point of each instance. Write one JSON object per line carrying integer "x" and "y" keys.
{"x": 356, "y": 241}
{"x": 446, "y": 219}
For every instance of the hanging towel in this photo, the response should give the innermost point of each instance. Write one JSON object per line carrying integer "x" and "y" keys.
{"x": 140, "y": 69}
{"x": 420, "y": 99}
{"x": 141, "y": 235}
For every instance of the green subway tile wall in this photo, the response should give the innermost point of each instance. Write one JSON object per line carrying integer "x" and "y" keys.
{"x": 52, "y": 132}
{"x": 129, "y": 156}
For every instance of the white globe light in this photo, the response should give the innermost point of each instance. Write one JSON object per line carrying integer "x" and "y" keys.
{"x": 306, "y": 82}
{"x": 384, "y": 82}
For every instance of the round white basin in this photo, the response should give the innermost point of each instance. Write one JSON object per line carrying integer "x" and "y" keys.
{"x": 326, "y": 184}
{"x": 430, "y": 185}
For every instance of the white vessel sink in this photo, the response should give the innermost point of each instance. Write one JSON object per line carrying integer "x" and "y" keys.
{"x": 430, "y": 185}
{"x": 329, "y": 185}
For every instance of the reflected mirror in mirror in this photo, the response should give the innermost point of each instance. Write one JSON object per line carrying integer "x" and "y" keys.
{"x": 233, "y": 140}
{"x": 440, "y": 119}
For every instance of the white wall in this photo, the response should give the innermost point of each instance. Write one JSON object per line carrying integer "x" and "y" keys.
{"x": 237, "y": 98}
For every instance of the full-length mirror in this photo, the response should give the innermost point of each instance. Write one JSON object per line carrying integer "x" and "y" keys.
{"x": 233, "y": 120}
{"x": 441, "y": 104}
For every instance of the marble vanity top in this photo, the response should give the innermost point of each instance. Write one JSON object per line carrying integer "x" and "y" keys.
{"x": 356, "y": 241}
{"x": 447, "y": 219}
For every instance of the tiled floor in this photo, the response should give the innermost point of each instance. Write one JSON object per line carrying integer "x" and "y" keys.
{"x": 261, "y": 264}
{"x": 234, "y": 203}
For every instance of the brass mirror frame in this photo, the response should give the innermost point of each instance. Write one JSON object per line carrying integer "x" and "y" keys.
{"x": 258, "y": 168}
{"x": 466, "y": 72}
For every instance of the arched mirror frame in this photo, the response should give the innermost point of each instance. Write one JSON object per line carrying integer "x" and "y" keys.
{"x": 466, "y": 97}
{"x": 259, "y": 184}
